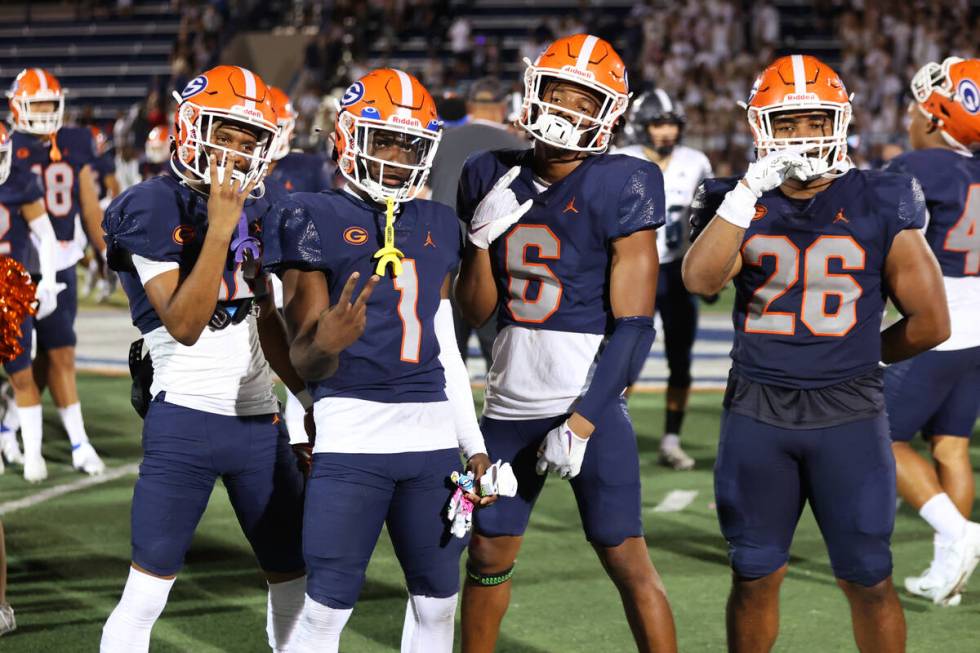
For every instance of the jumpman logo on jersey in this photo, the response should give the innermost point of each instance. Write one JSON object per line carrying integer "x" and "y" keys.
{"x": 840, "y": 217}
{"x": 428, "y": 240}
{"x": 570, "y": 206}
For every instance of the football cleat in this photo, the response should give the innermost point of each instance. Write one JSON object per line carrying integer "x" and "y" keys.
{"x": 7, "y": 622}
{"x": 11, "y": 448}
{"x": 950, "y": 571}
{"x": 35, "y": 469}
{"x": 85, "y": 459}
{"x": 675, "y": 457}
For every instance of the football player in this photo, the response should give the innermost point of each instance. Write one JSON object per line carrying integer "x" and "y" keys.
{"x": 938, "y": 392}
{"x": 186, "y": 247}
{"x": 156, "y": 152}
{"x": 366, "y": 278}
{"x": 562, "y": 246}
{"x": 64, "y": 159}
{"x": 814, "y": 247}
{"x": 657, "y": 126}
{"x": 298, "y": 172}
{"x": 22, "y": 214}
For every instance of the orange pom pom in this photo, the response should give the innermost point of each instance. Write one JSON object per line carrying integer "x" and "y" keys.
{"x": 16, "y": 303}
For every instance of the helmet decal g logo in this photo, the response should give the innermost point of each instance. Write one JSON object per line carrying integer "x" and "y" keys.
{"x": 194, "y": 86}
{"x": 969, "y": 95}
{"x": 353, "y": 93}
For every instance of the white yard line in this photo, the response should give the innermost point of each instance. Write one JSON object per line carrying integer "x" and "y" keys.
{"x": 56, "y": 491}
{"x": 676, "y": 500}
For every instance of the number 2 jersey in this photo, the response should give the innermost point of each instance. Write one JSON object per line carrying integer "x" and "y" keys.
{"x": 951, "y": 182}
{"x": 21, "y": 187}
{"x": 552, "y": 272}
{"x": 811, "y": 294}
{"x": 60, "y": 179}
{"x": 159, "y": 225}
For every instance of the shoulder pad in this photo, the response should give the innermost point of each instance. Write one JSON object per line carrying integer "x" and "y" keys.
{"x": 143, "y": 220}
{"x": 641, "y": 199}
{"x": 709, "y": 196}
{"x": 290, "y": 238}
{"x": 22, "y": 187}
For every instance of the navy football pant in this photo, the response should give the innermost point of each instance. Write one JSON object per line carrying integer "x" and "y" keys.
{"x": 607, "y": 489}
{"x": 764, "y": 474}
{"x": 349, "y": 497}
{"x": 58, "y": 329}
{"x": 936, "y": 392}
{"x": 679, "y": 313}
{"x": 184, "y": 452}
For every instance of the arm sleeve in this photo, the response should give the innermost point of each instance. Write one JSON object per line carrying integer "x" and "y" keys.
{"x": 641, "y": 201}
{"x": 619, "y": 366}
{"x": 457, "y": 384}
{"x": 148, "y": 269}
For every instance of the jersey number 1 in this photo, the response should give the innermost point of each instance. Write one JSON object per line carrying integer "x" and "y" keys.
{"x": 407, "y": 284}
{"x": 818, "y": 284}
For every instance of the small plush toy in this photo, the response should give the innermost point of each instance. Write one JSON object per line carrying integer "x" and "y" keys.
{"x": 498, "y": 480}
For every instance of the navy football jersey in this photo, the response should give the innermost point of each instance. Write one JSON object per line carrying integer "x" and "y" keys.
{"x": 810, "y": 294}
{"x": 104, "y": 164}
{"x": 552, "y": 266}
{"x": 397, "y": 358}
{"x": 300, "y": 172}
{"x": 162, "y": 219}
{"x": 951, "y": 183}
{"x": 22, "y": 187}
{"x": 58, "y": 178}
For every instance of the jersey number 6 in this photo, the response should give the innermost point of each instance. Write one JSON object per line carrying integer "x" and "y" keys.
{"x": 521, "y": 272}
{"x": 818, "y": 284}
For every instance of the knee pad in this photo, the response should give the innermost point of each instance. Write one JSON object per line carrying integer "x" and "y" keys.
{"x": 488, "y": 580}
{"x": 750, "y": 563}
{"x": 430, "y": 610}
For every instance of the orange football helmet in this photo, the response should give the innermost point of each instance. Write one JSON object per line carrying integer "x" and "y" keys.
{"x": 157, "y": 146}
{"x": 286, "y": 117}
{"x": 391, "y": 107}
{"x": 949, "y": 95}
{"x": 33, "y": 86}
{"x": 587, "y": 61}
{"x": 224, "y": 94}
{"x": 6, "y": 153}
{"x": 797, "y": 83}
{"x": 100, "y": 140}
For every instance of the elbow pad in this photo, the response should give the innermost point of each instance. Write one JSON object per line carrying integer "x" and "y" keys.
{"x": 619, "y": 366}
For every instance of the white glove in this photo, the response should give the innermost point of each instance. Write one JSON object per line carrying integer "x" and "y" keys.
{"x": 46, "y": 295}
{"x": 497, "y": 211}
{"x": 562, "y": 451}
{"x": 499, "y": 479}
{"x": 763, "y": 175}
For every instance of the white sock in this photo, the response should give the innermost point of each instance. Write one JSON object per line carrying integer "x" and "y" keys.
{"x": 30, "y": 429}
{"x": 318, "y": 629}
{"x": 71, "y": 417}
{"x": 944, "y": 518}
{"x": 670, "y": 440}
{"x": 127, "y": 630}
{"x": 283, "y": 609}
{"x": 294, "y": 415}
{"x": 429, "y": 624}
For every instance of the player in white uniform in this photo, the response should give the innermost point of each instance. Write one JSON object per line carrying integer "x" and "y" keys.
{"x": 655, "y": 127}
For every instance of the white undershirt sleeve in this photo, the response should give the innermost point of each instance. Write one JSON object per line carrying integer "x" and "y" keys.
{"x": 458, "y": 389}
{"x": 148, "y": 268}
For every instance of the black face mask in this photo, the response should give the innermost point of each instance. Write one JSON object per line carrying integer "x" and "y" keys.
{"x": 665, "y": 150}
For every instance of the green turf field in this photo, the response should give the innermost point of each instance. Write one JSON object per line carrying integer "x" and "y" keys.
{"x": 68, "y": 561}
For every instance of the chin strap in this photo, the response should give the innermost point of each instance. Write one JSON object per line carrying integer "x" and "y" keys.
{"x": 389, "y": 253}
